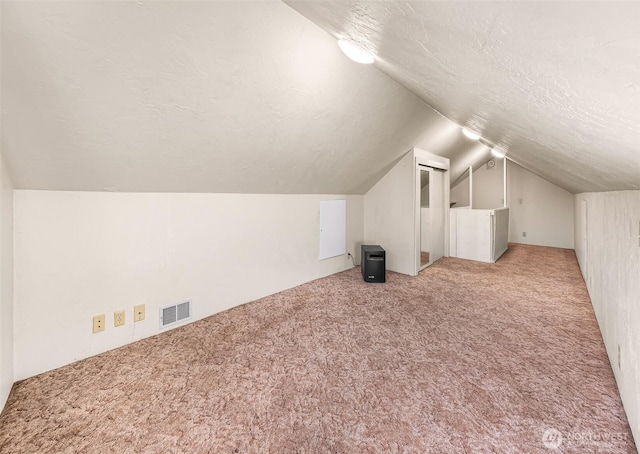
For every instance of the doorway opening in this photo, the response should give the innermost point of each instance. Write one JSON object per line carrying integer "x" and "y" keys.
{"x": 430, "y": 194}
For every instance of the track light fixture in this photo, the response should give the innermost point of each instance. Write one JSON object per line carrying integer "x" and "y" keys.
{"x": 355, "y": 52}
{"x": 470, "y": 134}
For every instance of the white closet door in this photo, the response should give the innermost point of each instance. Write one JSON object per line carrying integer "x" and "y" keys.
{"x": 436, "y": 214}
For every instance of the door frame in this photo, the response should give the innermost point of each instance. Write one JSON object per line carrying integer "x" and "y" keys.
{"x": 422, "y": 163}
{"x": 584, "y": 210}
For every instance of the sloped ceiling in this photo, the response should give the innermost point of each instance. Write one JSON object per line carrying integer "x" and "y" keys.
{"x": 253, "y": 97}
{"x": 556, "y": 83}
{"x": 197, "y": 97}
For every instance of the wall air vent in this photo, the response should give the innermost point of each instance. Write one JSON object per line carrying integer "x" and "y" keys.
{"x": 170, "y": 315}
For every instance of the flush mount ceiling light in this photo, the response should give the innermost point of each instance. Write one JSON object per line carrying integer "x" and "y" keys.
{"x": 470, "y": 134}
{"x": 355, "y": 52}
{"x": 498, "y": 153}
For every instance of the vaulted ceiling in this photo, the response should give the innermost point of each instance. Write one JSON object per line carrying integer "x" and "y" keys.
{"x": 555, "y": 83}
{"x": 256, "y": 97}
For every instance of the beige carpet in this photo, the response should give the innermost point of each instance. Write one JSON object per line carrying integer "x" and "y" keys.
{"x": 466, "y": 357}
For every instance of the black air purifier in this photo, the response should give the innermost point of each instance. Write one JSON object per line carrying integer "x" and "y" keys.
{"x": 373, "y": 263}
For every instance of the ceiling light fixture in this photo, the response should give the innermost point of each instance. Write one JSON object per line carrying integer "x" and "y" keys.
{"x": 498, "y": 153}
{"x": 355, "y": 52}
{"x": 470, "y": 134}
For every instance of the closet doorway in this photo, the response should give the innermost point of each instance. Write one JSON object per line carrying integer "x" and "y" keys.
{"x": 430, "y": 198}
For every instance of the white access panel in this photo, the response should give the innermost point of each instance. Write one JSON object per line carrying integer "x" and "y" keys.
{"x": 333, "y": 228}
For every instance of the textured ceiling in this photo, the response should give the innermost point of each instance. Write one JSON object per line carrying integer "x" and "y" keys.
{"x": 197, "y": 97}
{"x": 556, "y": 83}
{"x": 253, "y": 97}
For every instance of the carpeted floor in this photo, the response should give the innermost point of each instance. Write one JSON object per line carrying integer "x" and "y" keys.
{"x": 466, "y": 357}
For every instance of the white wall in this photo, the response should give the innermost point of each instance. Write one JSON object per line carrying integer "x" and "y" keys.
{"x": 610, "y": 261}
{"x": 6, "y": 284}
{"x": 392, "y": 211}
{"x": 488, "y": 188}
{"x": 540, "y": 208}
{"x": 460, "y": 193}
{"x": 478, "y": 234}
{"x": 78, "y": 254}
{"x": 389, "y": 216}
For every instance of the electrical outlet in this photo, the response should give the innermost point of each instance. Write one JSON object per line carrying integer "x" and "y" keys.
{"x": 98, "y": 323}
{"x": 138, "y": 312}
{"x": 118, "y": 318}
{"x": 524, "y": 234}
